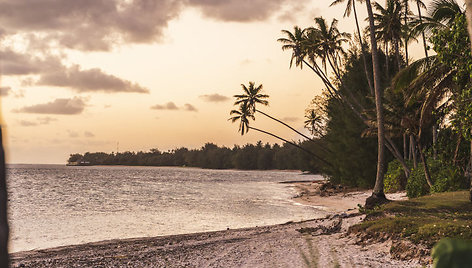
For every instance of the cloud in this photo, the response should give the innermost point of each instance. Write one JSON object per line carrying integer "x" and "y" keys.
{"x": 89, "y": 134}
{"x": 167, "y": 106}
{"x": 290, "y": 119}
{"x": 242, "y": 10}
{"x": 41, "y": 121}
{"x": 72, "y": 134}
{"x": 26, "y": 123}
{"x": 5, "y": 91}
{"x": 53, "y": 73}
{"x": 90, "y": 24}
{"x": 170, "y": 106}
{"x": 214, "y": 98}
{"x": 89, "y": 80}
{"x": 190, "y": 108}
{"x": 46, "y": 120}
{"x": 58, "y": 106}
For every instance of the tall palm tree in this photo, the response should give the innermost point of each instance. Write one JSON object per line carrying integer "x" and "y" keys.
{"x": 351, "y": 7}
{"x": 251, "y": 96}
{"x": 378, "y": 195}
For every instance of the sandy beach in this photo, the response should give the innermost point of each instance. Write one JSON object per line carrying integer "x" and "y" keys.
{"x": 294, "y": 244}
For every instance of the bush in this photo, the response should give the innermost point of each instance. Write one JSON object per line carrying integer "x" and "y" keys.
{"x": 445, "y": 177}
{"x": 452, "y": 253}
{"x": 395, "y": 179}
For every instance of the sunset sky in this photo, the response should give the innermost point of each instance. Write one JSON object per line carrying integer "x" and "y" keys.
{"x": 84, "y": 75}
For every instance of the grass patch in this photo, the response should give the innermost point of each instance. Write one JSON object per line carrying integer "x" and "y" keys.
{"x": 423, "y": 220}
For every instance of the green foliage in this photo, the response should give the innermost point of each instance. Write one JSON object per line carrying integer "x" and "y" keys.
{"x": 452, "y": 45}
{"x": 451, "y": 253}
{"x": 424, "y": 220}
{"x": 395, "y": 179}
{"x": 445, "y": 177}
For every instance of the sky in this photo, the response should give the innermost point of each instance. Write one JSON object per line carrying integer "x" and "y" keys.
{"x": 129, "y": 75}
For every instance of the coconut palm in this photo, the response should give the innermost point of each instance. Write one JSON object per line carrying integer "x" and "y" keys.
{"x": 389, "y": 27}
{"x": 314, "y": 123}
{"x": 251, "y": 96}
{"x": 378, "y": 195}
{"x": 351, "y": 7}
{"x": 244, "y": 113}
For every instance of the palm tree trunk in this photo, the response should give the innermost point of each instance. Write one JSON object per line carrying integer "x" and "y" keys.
{"x": 422, "y": 33}
{"x": 366, "y": 71}
{"x": 396, "y": 153}
{"x": 296, "y": 131}
{"x": 427, "y": 175}
{"x": 378, "y": 195}
{"x": 413, "y": 151}
{"x": 405, "y": 147}
{"x": 456, "y": 151}
{"x": 4, "y": 230}
{"x": 435, "y": 141}
{"x": 292, "y": 143}
{"x": 387, "y": 62}
{"x": 397, "y": 55}
{"x": 406, "y": 35}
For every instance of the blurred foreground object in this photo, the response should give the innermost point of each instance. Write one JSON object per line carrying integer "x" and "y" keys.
{"x": 452, "y": 253}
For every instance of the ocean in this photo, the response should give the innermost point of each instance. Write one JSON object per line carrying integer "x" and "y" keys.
{"x": 55, "y": 205}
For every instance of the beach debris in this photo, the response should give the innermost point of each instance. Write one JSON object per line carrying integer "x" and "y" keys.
{"x": 334, "y": 227}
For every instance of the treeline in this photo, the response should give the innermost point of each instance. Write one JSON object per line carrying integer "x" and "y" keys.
{"x": 248, "y": 157}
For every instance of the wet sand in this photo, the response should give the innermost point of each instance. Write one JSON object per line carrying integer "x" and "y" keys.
{"x": 323, "y": 241}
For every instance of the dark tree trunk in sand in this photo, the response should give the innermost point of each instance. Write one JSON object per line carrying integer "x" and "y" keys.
{"x": 4, "y": 230}
{"x": 378, "y": 196}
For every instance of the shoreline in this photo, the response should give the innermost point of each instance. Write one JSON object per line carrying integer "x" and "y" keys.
{"x": 281, "y": 245}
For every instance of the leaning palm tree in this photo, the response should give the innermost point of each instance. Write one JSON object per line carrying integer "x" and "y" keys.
{"x": 244, "y": 114}
{"x": 253, "y": 95}
{"x": 351, "y": 7}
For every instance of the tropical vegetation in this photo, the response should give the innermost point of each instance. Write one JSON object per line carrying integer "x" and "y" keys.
{"x": 378, "y": 105}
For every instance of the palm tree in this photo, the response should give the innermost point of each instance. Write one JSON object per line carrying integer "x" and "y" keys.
{"x": 313, "y": 123}
{"x": 389, "y": 27}
{"x": 351, "y": 7}
{"x": 378, "y": 195}
{"x": 251, "y": 96}
{"x": 244, "y": 113}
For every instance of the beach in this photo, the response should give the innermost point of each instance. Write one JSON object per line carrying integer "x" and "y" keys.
{"x": 294, "y": 244}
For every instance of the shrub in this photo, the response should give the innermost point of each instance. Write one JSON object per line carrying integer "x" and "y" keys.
{"x": 445, "y": 177}
{"x": 395, "y": 179}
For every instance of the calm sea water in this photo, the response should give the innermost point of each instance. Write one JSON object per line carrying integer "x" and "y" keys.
{"x": 53, "y": 205}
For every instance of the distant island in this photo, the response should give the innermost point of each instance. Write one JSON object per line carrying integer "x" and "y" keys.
{"x": 257, "y": 156}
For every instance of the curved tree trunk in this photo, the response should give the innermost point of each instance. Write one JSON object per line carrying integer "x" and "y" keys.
{"x": 4, "y": 230}
{"x": 291, "y": 143}
{"x": 378, "y": 195}
{"x": 427, "y": 175}
{"x": 425, "y": 46}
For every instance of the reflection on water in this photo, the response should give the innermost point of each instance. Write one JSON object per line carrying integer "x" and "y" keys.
{"x": 52, "y": 205}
